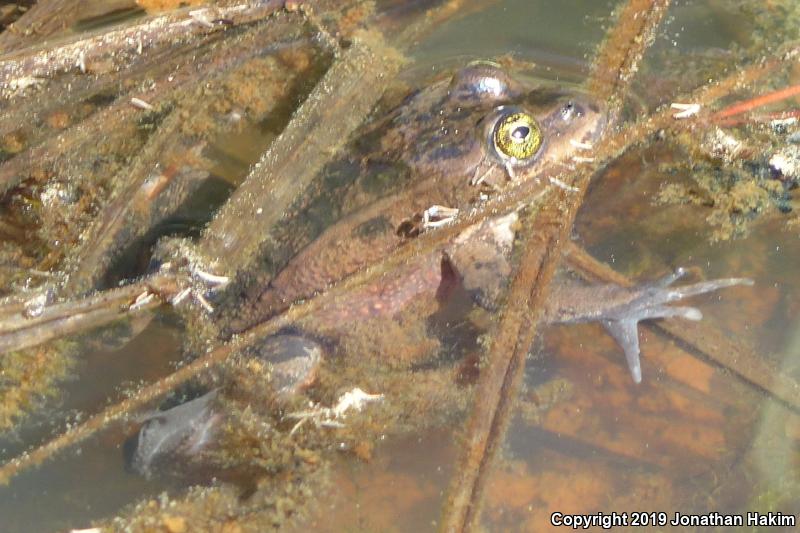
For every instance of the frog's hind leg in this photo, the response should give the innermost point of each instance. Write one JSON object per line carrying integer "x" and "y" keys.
{"x": 622, "y": 321}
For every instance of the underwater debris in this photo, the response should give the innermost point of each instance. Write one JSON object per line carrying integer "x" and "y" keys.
{"x": 178, "y": 437}
{"x": 354, "y": 399}
{"x": 183, "y": 431}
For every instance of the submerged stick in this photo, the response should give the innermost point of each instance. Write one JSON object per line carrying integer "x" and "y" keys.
{"x": 26, "y": 68}
{"x": 499, "y": 382}
{"x": 19, "y": 331}
{"x": 336, "y": 107}
{"x": 617, "y": 62}
{"x": 149, "y": 195}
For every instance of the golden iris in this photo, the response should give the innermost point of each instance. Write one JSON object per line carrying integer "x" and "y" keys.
{"x": 517, "y": 136}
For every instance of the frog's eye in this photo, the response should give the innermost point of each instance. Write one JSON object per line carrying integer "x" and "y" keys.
{"x": 516, "y": 136}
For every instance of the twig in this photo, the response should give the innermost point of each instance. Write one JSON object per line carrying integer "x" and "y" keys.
{"x": 18, "y": 331}
{"x": 318, "y": 129}
{"x": 499, "y": 382}
{"x": 117, "y": 46}
{"x": 616, "y": 63}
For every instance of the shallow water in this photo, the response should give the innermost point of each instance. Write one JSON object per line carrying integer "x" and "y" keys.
{"x": 692, "y": 438}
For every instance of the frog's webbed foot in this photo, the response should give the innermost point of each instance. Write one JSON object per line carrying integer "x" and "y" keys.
{"x": 622, "y": 321}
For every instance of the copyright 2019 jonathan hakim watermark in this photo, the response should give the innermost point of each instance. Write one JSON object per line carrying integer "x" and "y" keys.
{"x": 650, "y": 519}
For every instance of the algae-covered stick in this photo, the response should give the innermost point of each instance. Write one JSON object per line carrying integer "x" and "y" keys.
{"x": 499, "y": 381}
{"x": 26, "y": 67}
{"x": 339, "y": 104}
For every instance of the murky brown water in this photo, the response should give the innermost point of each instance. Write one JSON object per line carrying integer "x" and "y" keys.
{"x": 692, "y": 438}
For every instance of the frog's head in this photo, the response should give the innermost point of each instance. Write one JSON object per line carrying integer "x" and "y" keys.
{"x": 487, "y": 127}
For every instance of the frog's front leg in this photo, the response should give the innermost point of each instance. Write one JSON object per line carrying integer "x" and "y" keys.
{"x": 620, "y": 309}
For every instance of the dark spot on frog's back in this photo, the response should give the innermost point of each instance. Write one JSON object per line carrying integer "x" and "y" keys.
{"x": 441, "y": 153}
{"x": 374, "y": 226}
{"x": 383, "y": 178}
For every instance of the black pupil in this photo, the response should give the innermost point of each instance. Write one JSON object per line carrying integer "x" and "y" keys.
{"x": 520, "y": 133}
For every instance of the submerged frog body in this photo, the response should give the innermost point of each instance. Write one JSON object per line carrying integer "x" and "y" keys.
{"x": 442, "y": 151}
{"x": 454, "y": 143}
{"x": 457, "y": 141}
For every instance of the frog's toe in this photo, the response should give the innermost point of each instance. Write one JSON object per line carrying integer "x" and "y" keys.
{"x": 670, "y": 278}
{"x": 678, "y": 293}
{"x": 666, "y": 311}
{"x": 626, "y": 333}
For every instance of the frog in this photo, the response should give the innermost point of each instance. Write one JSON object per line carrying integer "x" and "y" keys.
{"x": 456, "y": 143}
{"x": 442, "y": 150}
{"x": 459, "y": 141}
